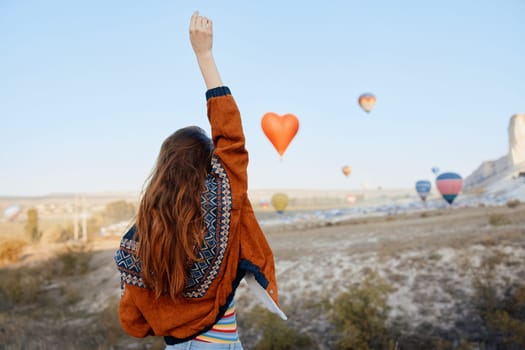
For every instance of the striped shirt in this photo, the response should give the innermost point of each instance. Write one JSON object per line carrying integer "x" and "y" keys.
{"x": 224, "y": 331}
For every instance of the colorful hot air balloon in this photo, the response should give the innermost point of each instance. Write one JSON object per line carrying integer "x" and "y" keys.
{"x": 280, "y": 202}
{"x": 367, "y": 102}
{"x": 12, "y": 212}
{"x": 347, "y": 170}
{"x": 280, "y": 130}
{"x": 423, "y": 189}
{"x": 264, "y": 203}
{"x": 435, "y": 170}
{"x": 449, "y": 185}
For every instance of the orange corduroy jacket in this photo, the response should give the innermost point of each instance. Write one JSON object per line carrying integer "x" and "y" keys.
{"x": 234, "y": 244}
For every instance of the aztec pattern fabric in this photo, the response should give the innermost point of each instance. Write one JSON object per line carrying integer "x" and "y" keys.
{"x": 216, "y": 205}
{"x": 127, "y": 263}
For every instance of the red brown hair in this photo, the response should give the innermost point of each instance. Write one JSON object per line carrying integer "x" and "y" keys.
{"x": 170, "y": 225}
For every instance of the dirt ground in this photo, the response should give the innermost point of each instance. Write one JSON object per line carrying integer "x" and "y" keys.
{"x": 430, "y": 258}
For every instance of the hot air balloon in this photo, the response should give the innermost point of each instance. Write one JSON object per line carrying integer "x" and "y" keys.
{"x": 423, "y": 189}
{"x": 449, "y": 185}
{"x": 280, "y": 130}
{"x": 435, "y": 170}
{"x": 367, "y": 102}
{"x": 351, "y": 198}
{"x": 280, "y": 202}
{"x": 12, "y": 212}
{"x": 264, "y": 203}
{"x": 347, "y": 170}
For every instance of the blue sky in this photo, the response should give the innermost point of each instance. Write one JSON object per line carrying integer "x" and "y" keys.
{"x": 89, "y": 90}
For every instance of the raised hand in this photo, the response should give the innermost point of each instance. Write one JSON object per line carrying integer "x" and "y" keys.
{"x": 201, "y": 37}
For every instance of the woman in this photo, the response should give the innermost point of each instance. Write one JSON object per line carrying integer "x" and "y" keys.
{"x": 196, "y": 235}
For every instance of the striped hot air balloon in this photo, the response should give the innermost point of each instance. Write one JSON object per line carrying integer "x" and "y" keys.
{"x": 449, "y": 185}
{"x": 423, "y": 189}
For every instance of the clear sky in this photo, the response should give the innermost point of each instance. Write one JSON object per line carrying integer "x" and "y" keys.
{"x": 89, "y": 90}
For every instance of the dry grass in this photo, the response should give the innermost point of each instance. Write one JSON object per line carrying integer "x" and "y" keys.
{"x": 38, "y": 309}
{"x": 73, "y": 261}
{"x": 499, "y": 219}
{"x": 416, "y": 250}
{"x": 11, "y": 250}
{"x": 20, "y": 286}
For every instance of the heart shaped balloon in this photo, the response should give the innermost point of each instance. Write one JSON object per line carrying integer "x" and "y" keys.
{"x": 280, "y": 130}
{"x": 367, "y": 102}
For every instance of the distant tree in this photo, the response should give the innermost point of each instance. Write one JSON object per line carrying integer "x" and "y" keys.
{"x": 93, "y": 225}
{"x": 31, "y": 226}
{"x": 119, "y": 211}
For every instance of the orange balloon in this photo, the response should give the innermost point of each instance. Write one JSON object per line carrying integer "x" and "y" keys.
{"x": 347, "y": 170}
{"x": 280, "y": 130}
{"x": 367, "y": 102}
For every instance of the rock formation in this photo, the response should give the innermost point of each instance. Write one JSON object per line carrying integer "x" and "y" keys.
{"x": 517, "y": 141}
{"x": 510, "y": 164}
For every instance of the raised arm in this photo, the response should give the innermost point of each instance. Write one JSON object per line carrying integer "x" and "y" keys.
{"x": 201, "y": 37}
{"x": 223, "y": 113}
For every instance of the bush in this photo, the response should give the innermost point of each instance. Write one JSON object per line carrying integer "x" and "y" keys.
{"x": 360, "y": 314}
{"x": 11, "y": 250}
{"x": 56, "y": 233}
{"x": 499, "y": 220}
{"x": 73, "y": 261}
{"x": 276, "y": 334}
{"x": 509, "y": 320}
{"x": 19, "y": 286}
{"x": 513, "y": 203}
{"x": 503, "y": 315}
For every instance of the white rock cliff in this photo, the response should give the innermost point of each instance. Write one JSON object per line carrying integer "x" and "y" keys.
{"x": 507, "y": 167}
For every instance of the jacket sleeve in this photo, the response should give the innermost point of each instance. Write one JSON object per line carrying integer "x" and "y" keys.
{"x": 131, "y": 319}
{"x": 228, "y": 138}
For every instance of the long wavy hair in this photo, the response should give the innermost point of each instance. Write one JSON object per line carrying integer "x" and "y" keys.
{"x": 170, "y": 225}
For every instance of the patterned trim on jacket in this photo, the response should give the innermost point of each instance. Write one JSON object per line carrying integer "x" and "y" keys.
{"x": 216, "y": 203}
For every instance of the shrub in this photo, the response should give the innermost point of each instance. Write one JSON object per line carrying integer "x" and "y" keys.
{"x": 276, "y": 334}
{"x": 10, "y": 250}
{"x": 360, "y": 314}
{"x": 19, "y": 286}
{"x": 73, "y": 261}
{"x": 499, "y": 220}
{"x": 510, "y": 318}
{"x": 56, "y": 233}
{"x": 504, "y": 314}
{"x": 513, "y": 203}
